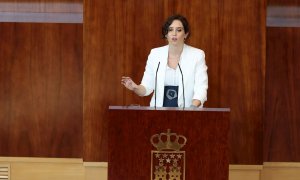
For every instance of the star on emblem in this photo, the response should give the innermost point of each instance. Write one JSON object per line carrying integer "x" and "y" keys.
{"x": 168, "y": 160}
{"x": 179, "y": 156}
{"x": 175, "y": 161}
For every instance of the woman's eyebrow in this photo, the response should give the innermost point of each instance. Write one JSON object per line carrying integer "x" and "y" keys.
{"x": 176, "y": 27}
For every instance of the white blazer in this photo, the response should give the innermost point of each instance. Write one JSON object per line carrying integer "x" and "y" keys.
{"x": 194, "y": 72}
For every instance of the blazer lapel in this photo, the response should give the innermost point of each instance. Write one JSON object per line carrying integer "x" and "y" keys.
{"x": 161, "y": 74}
{"x": 180, "y": 88}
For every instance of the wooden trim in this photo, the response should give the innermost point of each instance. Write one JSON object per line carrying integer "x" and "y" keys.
{"x": 167, "y": 108}
{"x": 41, "y": 7}
{"x": 95, "y": 164}
{"x": 245, "y": 167}
{"x": 41, "y": 12}
{"x": 245, "y": 172}
{"x": 45, "y": 168}
{"x": 41, "y": 17}
{"x": 41, "y": 160}
{"x": 281, "y": 170}
{"x": 281, "y": 165}
{"x": 281, "y": 16}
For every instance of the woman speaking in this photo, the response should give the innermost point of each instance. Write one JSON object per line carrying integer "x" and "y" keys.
{"x": 177, "y": 72}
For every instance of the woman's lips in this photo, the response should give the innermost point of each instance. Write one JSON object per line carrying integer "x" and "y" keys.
{"x": 174, "y": 39}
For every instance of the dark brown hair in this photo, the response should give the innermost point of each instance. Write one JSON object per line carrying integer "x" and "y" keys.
{"x": 169, "y": 21}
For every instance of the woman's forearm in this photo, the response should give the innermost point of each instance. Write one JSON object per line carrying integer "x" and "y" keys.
{"x": 140, "y": 90}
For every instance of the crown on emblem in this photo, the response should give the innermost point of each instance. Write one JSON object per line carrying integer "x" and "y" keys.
{"x": 168, "y": 141}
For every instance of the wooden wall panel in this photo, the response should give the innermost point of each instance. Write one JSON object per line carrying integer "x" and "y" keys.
{"x": 282, "y": 119}
{"x": 41, "y": 90}
{"x": 118, "y": 40}
{"x": 232, "y": 35}
{"x": 241, "y": 76}
{"x": 281, "y": 124}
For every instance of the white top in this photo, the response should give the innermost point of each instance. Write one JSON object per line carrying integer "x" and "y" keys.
{"x": 194, "y": 71}
{"x": 172, "y": 78}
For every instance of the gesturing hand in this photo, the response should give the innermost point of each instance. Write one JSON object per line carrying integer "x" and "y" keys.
{"x": 128, "y": 83}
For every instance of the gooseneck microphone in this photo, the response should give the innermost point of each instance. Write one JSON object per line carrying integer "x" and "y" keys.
{"x": 182, "y": 85}
{"x": 156, "y": 85}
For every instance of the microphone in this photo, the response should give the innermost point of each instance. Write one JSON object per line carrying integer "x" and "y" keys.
{"x": 156, "y": 85}
{"x": 182, "y": 85}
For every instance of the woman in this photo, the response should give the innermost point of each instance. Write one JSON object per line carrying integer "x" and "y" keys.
{"x": 177, "y": 73}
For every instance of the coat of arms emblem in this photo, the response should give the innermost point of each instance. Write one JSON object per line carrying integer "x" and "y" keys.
{"x": 167, "y": 161}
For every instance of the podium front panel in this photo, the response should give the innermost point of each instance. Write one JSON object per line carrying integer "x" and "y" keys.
{"x": 129, "y": 146}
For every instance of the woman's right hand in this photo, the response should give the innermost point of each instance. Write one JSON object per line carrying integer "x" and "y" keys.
{"x": 128, "y": 83}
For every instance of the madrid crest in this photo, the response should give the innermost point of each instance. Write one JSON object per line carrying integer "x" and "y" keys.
{"x": 167, "y": 161}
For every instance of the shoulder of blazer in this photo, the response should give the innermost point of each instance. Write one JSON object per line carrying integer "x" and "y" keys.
{"x": 160, "y": 50}
{"x": 194, "y": 51}
{"x": 196, "y": 54}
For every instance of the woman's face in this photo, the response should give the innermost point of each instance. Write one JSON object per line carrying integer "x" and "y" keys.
{"x": 176, "y": 34}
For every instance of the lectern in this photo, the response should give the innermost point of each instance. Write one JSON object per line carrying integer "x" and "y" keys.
{"x": 200, "y": 135}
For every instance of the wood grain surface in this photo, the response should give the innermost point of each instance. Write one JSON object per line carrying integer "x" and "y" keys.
{"x": 41, "y": 90}
{"x": 206, "y": 149}
{"x": 282, "y": 117}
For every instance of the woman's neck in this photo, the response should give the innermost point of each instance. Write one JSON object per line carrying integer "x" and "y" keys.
{"x": 175, "y": 50}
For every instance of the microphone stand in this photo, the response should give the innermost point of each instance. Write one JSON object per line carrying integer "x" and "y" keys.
{"x": 182, "y": 86}
{"x": 156, "y": 85}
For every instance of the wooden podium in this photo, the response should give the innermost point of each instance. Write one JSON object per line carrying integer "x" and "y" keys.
{"x": 131, "y": 128}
